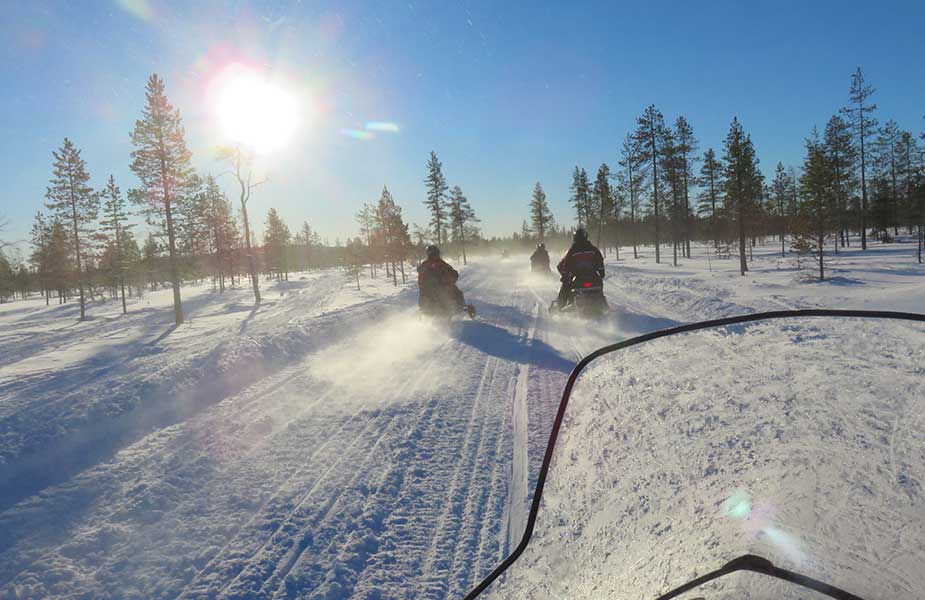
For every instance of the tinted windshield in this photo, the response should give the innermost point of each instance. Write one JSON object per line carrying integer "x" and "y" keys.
{"x": 802, "y": 442}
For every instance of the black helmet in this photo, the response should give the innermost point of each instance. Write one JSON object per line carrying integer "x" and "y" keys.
{"x": 541, "y": 246}
{"x": 433, "y": 251}
{"x": 581, "y": 235}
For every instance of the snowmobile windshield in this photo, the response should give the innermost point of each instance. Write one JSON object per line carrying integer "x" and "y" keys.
{"x": 799, "y": 440}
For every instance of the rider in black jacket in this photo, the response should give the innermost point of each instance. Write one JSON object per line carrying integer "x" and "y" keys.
{"x": 581, "y": 260}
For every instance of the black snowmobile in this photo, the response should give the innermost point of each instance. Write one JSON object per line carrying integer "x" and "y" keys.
{"x": 539, "y": 260}
{"x": 586, "y": 297}
{"x": 771, "y": 455}
{"x": 438, "y": 296}
{"x": 442, "y": 303}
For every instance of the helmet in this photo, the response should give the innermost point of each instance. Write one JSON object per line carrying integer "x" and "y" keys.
{"x": 433, "y": 251}
{"x": 581, "y": 235}
{"x": 541, "y": 246}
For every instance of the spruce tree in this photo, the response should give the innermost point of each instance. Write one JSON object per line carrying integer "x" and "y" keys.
{"x": 540, "y": 215}
{"x": 863, "y": 125}
{"x": 116, "y": 229}
{"x": 436, "y": 197}
{"x": 161, "y": 161}
{"x": 74, "y": 202}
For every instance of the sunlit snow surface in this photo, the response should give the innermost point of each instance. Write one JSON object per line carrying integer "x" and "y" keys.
{"x": 802, "y": 441}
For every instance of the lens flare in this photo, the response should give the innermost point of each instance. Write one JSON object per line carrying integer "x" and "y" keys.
{"x": 384, "y": 126}
{"x": 357, "y": 134}
{"x": 140, "y": 9}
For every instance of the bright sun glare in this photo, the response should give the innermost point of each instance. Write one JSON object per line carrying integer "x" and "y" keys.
{"x": 256, "y": 112}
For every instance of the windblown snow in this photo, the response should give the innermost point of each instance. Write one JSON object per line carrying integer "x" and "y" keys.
{"x": 330, "y": 444}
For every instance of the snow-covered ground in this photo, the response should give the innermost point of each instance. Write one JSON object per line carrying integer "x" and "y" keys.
{"x": 329, "y": 444}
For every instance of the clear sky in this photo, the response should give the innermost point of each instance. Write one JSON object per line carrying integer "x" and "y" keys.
{"x": 507, "y": 93}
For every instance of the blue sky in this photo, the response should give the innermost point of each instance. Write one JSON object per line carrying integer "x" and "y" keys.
{"x": 507, "y": 93}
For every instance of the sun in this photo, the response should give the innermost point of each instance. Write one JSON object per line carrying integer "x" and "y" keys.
{"x": 255, "y": 112}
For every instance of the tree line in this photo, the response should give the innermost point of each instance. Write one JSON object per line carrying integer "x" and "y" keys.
{"x": 857, "y": 179}
{"x": 84, "y": 246}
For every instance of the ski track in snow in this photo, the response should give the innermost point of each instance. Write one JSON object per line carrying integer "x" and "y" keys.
{"x": 403, "y": 470}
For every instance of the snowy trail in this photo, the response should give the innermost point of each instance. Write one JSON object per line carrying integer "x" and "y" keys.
{"x": 313, "y": 482}
{"x": 376, "y": 455}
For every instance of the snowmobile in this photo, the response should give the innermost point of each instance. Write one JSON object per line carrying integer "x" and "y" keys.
{"x": 539, "y": 262}
{"x": 443, "y": 303}
{"x": 745, "y": 457}
{"x": 587, "y": 299}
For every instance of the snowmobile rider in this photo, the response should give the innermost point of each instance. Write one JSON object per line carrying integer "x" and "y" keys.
{"x": 435, "y": 276}
{"x": 581, "y": 260}
{"x": 539, "y": 260}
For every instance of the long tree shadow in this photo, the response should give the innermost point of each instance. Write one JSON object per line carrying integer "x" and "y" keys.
{"x": 495, "y": 341}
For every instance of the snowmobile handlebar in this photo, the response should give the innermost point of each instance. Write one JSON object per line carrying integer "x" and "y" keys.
{"x": 758, "y": 564}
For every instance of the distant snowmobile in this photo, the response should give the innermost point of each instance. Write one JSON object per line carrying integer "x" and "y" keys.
{"x": 439, "y": 296}
{"x": 539, "y": 260}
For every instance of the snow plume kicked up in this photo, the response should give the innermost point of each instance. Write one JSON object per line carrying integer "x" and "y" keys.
{"x": 383, "y": 357}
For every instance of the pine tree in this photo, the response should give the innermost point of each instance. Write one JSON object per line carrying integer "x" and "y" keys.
{"x": 581, "y": 197}
{"x": 364, "y": 219}
{"x": 885, "y": 161}
{"x": 841, "y": 154}
{"x": 630, "y": 180}
{"x": 40, "y": 251}
{"x": 116, "y": 229}
{"x": 74, "y": 202}
{"x": 780, "y": 195}
{"x": 540, "y": 215}
{"x": 816, "y": 208}
{"x": 742, "y": 183}
{"x": 60, "y": 258}
{"x": 686, "y": 146}
{"x": 650, "y": 135}
{"x": 710, "y": 182}
{"x": 436, "y": 197}
{"x": 394, "y": 232}
{"x": 863, "y": 125}
{"x": 221, "y": 231}
{"x": 306, "y": 238}
{"x": 276, "y": 240}
{"x": 461, "y": 213}
{"x": 602, "y": 201}
{"x": 162, "y": 163}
